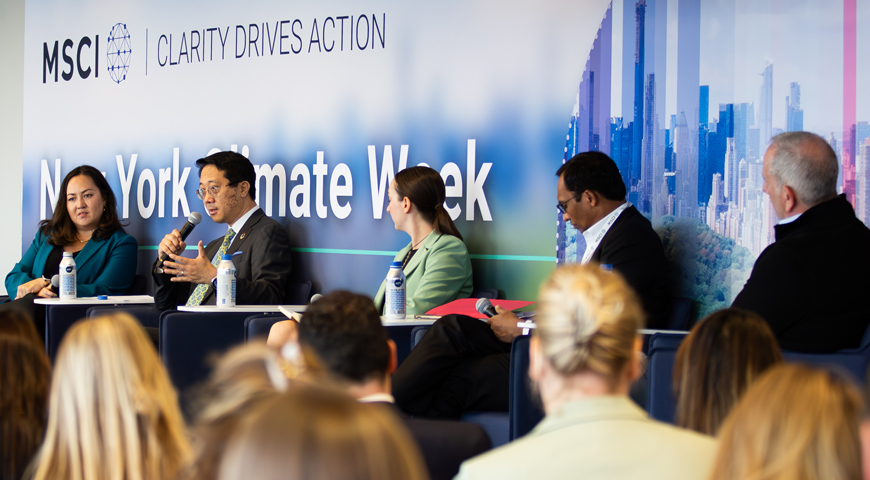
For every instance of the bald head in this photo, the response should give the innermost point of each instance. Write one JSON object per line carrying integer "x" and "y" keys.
{"x": 806, "y": 163}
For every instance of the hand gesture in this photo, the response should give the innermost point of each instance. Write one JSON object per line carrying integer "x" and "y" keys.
{"x": 194, "y": 270}
{"x": 504, "y": 325}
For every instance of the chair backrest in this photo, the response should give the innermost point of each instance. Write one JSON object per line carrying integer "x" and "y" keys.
{"x": 660, "y": 373}
{"x": 525, "y": 408}
{"x": 417, "y": 334}
{"x": 682, "y": 312}
{"x": 490, "y": 293}
{"x": 189, "y": 341}
{"x": 139, "y": 286}
{"x": 147, "y": 315}
{"x": 298, "y": 293}
{"x": 258, "y": 326}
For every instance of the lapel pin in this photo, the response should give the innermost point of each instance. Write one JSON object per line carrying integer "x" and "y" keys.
{"x": 242, "y": 236}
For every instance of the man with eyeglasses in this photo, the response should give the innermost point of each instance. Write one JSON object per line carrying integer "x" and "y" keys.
{"x": 462, "y": 364}
{"x": 260, "y": 246}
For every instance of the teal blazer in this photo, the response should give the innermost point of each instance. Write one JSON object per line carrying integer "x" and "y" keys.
{"x": 103, "y": 267}
{"x": 438, "y": 273}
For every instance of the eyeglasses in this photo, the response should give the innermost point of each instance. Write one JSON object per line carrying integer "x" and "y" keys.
{"x": 563, "y": 206}
{"x": 212, "y": 190}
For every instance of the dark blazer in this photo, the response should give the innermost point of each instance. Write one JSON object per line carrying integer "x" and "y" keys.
{"x": 810, "y": 285}
{"x": 262, "y": 269}
{"x": 635, "y": 250}
{"x": 103, "y": 267}
{"x": 445, "y": 444}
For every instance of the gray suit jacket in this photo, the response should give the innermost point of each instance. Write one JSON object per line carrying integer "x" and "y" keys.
{"x": 262, "y": 269}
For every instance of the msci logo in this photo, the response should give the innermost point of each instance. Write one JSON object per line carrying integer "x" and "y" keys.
{"x": 82, "y": 56}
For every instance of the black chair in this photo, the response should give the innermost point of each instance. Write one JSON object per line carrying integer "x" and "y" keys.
{"x": 298, "y": 293}
{"x": 490, "y": 293}
{"x": 525, "y": 407}
{"x": 189, "y": 342}
{"x": 257, "y": 326}
{"x": 661, "y": 403}
{"x": 851, "y": 360}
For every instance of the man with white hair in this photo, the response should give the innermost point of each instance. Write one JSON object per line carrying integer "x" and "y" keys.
{"x": 810, "y": 283}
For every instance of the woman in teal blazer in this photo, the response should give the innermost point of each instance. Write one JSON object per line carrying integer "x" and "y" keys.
{"x": 436, "y": 264}
{"x": 85, "y": 222}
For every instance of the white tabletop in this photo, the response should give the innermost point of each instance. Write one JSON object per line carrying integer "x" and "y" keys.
{"x": 110, "y": 300}
{"x": 410, "y": 321}
{"x": 242, "y": 308}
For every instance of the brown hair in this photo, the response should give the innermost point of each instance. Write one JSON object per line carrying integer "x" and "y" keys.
{"x": 25, "y": 377}
{"x": 716, "y": 363}
{"x": 588, "y": 319}
{"x": 61, "y": 228}
{"x": 425, "y": 188}
{"x": 313, "y": 432}
{"x": 19, "y": 324}
{"x": 794, "y": 423}
{"x": 112, "y": 411}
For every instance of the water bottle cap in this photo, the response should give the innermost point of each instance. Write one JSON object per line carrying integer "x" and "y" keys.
{"x": 395, "y": 264}
{"x": 227, "y": 256}
{"x": 67, "y": 254}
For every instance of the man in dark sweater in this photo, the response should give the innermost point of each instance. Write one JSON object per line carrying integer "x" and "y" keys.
{"x": 810, "y": 283}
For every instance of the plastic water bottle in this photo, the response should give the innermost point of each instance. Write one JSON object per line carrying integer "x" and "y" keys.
{"x": 395, "y": 297}
{"x": 67, "y": 277}
{"x": 226, "y": 282}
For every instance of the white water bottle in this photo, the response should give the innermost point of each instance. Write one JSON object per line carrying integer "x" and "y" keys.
{"x": 395, "y": 296}
{"x": 226, "y": 282}
{"x": 67, "y": 277}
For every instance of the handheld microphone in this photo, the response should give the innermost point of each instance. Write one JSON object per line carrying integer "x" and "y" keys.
{"x": 55, "y": 284}
{"x": 315, "y": 298}
{"x": 192, "y": 220}
{"x": 485, "y": 307}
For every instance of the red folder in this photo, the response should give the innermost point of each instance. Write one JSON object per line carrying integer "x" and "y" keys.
{"x": 466, "y": 306}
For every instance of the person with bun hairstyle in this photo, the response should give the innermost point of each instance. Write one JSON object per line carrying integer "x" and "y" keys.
{"x": 584, "y": 356}
{"x": 436, "y": 263}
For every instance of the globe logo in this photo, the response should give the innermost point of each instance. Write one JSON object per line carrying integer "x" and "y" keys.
{"x": 119, "y": 52}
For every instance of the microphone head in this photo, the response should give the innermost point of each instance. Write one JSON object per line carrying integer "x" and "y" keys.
{"x": 194, "y": 218}
{"x": 55, "y": 281}
{"x": 482, "y": 305}
{"x": 315, "y": 298}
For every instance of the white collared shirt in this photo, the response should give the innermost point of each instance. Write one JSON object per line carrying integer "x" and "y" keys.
{"x": 595, "y": 233}
{"x": 377, "y": 397}
{"x": 788, "y": 220}
{"x": 240, "y": 223}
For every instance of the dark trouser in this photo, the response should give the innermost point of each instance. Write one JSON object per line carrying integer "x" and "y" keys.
{"x": 458, "y": 366}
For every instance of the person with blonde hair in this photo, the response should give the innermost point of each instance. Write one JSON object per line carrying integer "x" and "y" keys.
{"x": 113, "y": 412}
{"x": 313, "y": 432}
{"x": 796, "y": 423}
{"x": 243, "y": 377}
{"x": 724, "y": 353}
{"x": 583, "y": 358}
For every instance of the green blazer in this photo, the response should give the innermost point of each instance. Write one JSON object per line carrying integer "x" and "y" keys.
{"x": 103, "y": 267}
{"x": 438, "y": 273}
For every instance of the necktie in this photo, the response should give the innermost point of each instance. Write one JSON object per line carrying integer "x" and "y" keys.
{"x": 198, "y": 292}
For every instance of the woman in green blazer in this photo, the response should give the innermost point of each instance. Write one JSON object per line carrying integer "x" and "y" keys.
{"x": 436, "y": 264}
{"x": 85, "y": 222}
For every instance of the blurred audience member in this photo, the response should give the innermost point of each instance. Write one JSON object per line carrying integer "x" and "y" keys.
{"x": 583, "y": 358}
{"x": 795, "y": 422}
{"x": 344, "y": 331}
{"x": 243, "y": 377}
{"x": 716, "y": 363}
{"x": 314, "y": 432}
{"x": 113, "y": 414}
{"x": 25, "y": 376}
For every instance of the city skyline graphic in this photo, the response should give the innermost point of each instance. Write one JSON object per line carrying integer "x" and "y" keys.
{"x": 685, "y": 96}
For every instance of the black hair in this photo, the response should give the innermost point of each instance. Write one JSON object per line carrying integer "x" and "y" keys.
{"x": 593, "y": 171}
{"x": 344, "y": 330}
{"x": 425, "y": 188}
{"x": 235, "y": 166}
